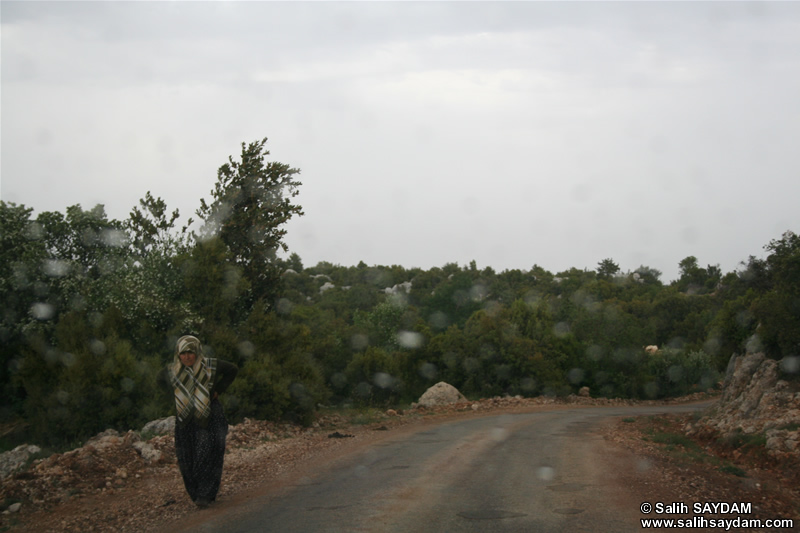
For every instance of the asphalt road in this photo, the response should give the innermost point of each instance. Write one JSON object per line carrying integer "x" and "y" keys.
{"x": 540, "y": 471}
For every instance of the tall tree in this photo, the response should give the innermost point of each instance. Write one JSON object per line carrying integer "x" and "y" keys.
{"x": 252, "y": 200}
{"x": 607, "y": 268}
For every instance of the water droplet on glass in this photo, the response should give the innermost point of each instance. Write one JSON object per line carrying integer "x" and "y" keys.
{"x": 338, "y": 380}
{"x": 753, "y": 344}
{"x": 55, "y": 268}
{"x": 561, "y": 329}
{"x": 791, "y": 364}
{"x": 382, "y": 380}
{"x": 97, "y": 347}
{"x": 127, "y": 384}
{"x": 284, "y": 306}
{"x": 42, "y": 311}
{"x": 428, "y": 371}
{"x": 359, "y": 341}
{"x": 114, "y": 238}
{"x": 246, "y": 349}
{"x": 439, "y": 320}
{"x": 410, "y": 339}
{"x": 575, "y": 376}
{"x": 545, "y": 473}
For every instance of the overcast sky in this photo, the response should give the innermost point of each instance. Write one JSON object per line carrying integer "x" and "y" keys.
{"x": 512, "y": 134}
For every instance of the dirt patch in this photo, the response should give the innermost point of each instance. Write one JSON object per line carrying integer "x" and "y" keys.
{"x": 672, "y": 467}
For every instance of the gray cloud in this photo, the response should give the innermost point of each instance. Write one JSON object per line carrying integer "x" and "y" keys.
{"x": 509, "y": 133}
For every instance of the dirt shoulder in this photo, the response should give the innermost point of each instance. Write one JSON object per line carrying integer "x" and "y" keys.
{"x": 664, "y": 465}
{"x": 108, "y": 486}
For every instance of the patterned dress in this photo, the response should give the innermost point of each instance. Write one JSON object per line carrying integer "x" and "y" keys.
{"x": 201, "y": 427}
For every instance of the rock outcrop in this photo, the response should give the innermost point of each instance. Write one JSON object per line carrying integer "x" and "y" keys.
{"x": 755, "y": 400}
{"x": 15, "y": 459}
{"x": 162, "y": 426}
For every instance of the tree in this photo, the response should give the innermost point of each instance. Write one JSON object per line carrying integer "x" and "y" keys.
{"x": 607, "y": 268}
{"x": 252, "y": 200}
{"x": 778, "y": 310}
{"x": 151, "y": 231}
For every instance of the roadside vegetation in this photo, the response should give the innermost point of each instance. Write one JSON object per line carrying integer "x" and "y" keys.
{"x": 92, "y": 308}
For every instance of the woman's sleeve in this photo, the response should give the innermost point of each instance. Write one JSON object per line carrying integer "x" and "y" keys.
{"x": 226, "y": 373}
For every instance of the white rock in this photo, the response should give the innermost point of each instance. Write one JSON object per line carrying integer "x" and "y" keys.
{"x": 441, "y": 394}
{"x": 147, "y": 451}
{"x": 162, "y": 426}
{"x": 13, "y": 460}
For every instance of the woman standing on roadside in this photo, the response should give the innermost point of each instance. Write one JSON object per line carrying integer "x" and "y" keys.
{"x": 200, "y": 427}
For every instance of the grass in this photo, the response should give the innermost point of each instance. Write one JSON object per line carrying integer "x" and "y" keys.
{"x": 731, "y": 469}
{"x": 660, "y": 430}
{"x": 744, "y": 442}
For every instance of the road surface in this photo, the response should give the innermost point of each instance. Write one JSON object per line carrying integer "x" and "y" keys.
{"x": 539, "y": 471}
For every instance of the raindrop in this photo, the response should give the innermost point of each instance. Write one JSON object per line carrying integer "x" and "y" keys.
{"x": 439, "y": 320}
{"x": 127, "y": 384}
{"x": 478, "y": 292}
{"x": 363, "y": 389}
{"x": 471, "y": 365}
{"x": 55, "y": 268}
{"x": 338, "y": 380}
{"x": 675, "y": 373}
{"x": 34, "y": 231}
{"x": 527, "y": 384}
{"x": 575, "y": 376}
{"x": 712, "y": 346}
{"x": 791, "y": 364}
{"x": 96, "y": 319}
{"x": 744, "y": 318}
{"x": 62, "y": 396}
{"x": 398, "y": 299}
{"x": 677, "y": 343}
{"x": 594, "y": 352}
{"x": 382, "y": 380}
{"x": 52, "y": 355}
{"x": 532, "y": 298}
{"x": 359, "y": 341}
{"x": 499, "y": 434}
{"x": 67, "y": 359}
{"x": 97, "y": 347}
{"x": 78, "y": 303}
{"x": 651, "y": 389}
{"x": 298, "y": 391}
{"x": 284, "y": 306}
{"x": 428, "y": 371}
{"x": 410, "y": 339}
{"x": 114, "y": 238}
{"x": 561, "y": 329}
{"x": 545, "y": 473}
{"x": 89, "y": 237}
{"x": 246, "y": 349}
{"x": 503, "y": 372}
{"x": 42, "y": 311}
{"x": 753, "y": 344}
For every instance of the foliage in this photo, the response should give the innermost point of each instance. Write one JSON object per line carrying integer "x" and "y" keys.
{"x": 252, "y": 200}
{"x": 92, "y": 309}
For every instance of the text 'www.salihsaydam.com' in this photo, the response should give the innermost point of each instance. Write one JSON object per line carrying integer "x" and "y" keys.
{"x": 707, "y": 515}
